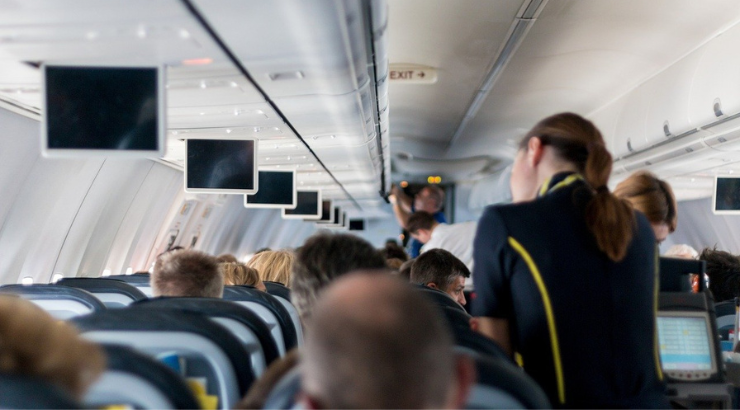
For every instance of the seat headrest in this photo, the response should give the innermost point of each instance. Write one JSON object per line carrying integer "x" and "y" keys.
{"x": 219, "y": 308}
{"x": 173, "y": 320}
{"x": 508, "y": 380}
{"x": 248, "y": 293}
{"x": 103, "y": 285}
{"x": 438, "y": 297}
{"x": 138, "y": 278}
{"x": 26, "y": 392}
{"x": 277, "y": 289}
{"x": 55, "y": 292}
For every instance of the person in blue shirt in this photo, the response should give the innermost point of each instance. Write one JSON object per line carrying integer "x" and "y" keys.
{"x": 566, "y": 276}
{"x": 430, "y": 199}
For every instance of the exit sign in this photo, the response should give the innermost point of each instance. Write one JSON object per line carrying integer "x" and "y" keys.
{"x": 412, "y": 74}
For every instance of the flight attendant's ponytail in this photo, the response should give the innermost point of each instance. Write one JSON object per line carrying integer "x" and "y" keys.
{"x": 576, "y": 140}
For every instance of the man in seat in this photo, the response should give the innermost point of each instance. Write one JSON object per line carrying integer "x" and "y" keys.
{"x": 375, "y": 343}
{"x": 439, "y": 269}
{"x": 187, "y": 273}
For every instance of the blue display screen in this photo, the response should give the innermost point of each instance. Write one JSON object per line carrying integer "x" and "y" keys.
{"x": 684, "y": 343}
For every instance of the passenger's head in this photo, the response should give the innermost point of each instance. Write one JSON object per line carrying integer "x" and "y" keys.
{"x": 187, "y": 273}
{"x": 404, "y": 272}
{"x": 273, "y": 266}
{"x": 393, "y": 250}
{"x": 226, "y": 257}
{"x": 322, "y": 259}
{"x": 654, "y": 198}
{"x": 394, "y": 264}
{"x": 568, "y": 142}
{"x": 439, "y": 269}
{"x": 241, "y": 274}
{"x": 421, "y": 225}
{"x": 32, "y": 343}
{"x": 431, "y": 198}
{"x": 682, "y": 251}
{"x": 723, "y": 270}
{"x": 373, "y": 342}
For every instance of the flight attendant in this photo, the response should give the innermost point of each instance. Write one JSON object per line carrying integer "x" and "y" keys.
{"x": 566, "y": 275}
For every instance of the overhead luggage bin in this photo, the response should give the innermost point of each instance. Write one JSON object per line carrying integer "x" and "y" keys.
{"x": 113, "y": 293}
{"x": 198, "y": 346}
{"x": 62, "y": 302}
{"x": 136, "y": 380}
{"x": 242, "y": 322}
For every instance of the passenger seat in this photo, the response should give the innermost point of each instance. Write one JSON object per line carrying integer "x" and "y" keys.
{"x": 61, "y": 302}
{"x": 113, "y": 293}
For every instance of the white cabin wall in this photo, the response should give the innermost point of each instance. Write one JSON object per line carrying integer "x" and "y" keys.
{"x": 67, "y": 215}
{"x": 700, "y": 228}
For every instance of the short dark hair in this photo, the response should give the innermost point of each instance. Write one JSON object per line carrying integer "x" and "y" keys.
{"x": 393, "y": 250}
{"x": 420, "y": 220}
{"x": 394, "y": 334}
{"x": 187, "y": 273}
{"x": 723, "y": 269}
{"x": 323, "y": 258}
{"x": 438, "y": 266}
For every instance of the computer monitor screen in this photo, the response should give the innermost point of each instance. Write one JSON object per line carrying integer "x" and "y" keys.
{"x": 727, "y": 195}
{"x": 326, "y": 212}
{"x": 276, "y": 190}
{"x": 685, "y": 343}
{"x": 309, "y": 205}
{"x": 338, "y": 219}
{"x": 103, "y": 110}
{"x": 221, "y": 166}
{"x": 356, "y": 224}
{"x": 335, "y": 217}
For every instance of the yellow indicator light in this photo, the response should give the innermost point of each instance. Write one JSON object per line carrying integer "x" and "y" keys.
{"x": 404, "y": 184}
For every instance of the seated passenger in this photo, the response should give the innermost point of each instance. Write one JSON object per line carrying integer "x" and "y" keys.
{"x": 241, "y": 274}
{"x": 454, "y": 238}
{"x": 392, "y": 250}
{"x": 439, "y": 269}
{"x": 187, "y": 273}
{"x": 322, "y": 259}
{"x": 394, "y": 264}
{"x": 32, "y": 343}
{"x": 404, "y": 272}
{"x": 682, "y": 251}
{"x": 273, "y": 266}
{"x": 654, "y": 198}
{"x": 374, "y": 343}
{"x": 723, "y": 270}
{"x": 226, "y": 257}
{"x": 430, "y": 199}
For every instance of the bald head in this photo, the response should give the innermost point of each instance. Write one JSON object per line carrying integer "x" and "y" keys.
{"x": 374, "y": 343}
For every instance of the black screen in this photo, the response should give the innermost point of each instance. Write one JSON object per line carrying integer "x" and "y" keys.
{"x": 275, "y": 188}
{"x": 102, "y": 108}
{"x": 334, "y": 220}
{"x": 357, "y": 225}
{"x": 308, "y": 204}
{"x": 220, "y": 164}
{"x": 326, "y": 214}
{"x": 727, "y": 197}
{"x": 344, "y": 219}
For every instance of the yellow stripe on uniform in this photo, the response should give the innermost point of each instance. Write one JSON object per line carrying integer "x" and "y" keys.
{"x": 656, "y": 351}
{"x": 546, "y": 188}
{"x": 548, "y": 312}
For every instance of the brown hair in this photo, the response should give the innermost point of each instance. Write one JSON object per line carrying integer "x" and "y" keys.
{"x": 651, "y": 196}
{"x": 239, "y": 274}
{"x": 420, "y": 220}
{"x": 187, "y": 273}
{"x": 226, "y": 257}
{"x": 273, "y": 266}
{"x": 576, "y": 140}
{"x": 33, "y": 343}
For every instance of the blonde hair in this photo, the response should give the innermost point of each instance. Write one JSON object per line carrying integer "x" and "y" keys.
{"x": 273, "y": 266}
{"x": 32, "y": 343}
{"x": 239, "y": 274}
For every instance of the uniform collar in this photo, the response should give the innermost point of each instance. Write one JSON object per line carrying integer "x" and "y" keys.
{"x": 557, "y": 181}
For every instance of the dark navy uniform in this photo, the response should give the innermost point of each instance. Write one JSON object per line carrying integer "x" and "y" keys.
{"x": 583, "y": 324}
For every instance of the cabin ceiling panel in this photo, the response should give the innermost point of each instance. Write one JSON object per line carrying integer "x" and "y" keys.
{"x": 460, "y": 39}
{"x": 581, "y": 54}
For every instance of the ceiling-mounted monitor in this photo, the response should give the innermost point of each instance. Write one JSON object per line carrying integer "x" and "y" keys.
{"x": 221, "y": 166}
{"x": 277, "y": 189}
{"x": 356, "y": 224}
{"x": 327, "y": 212}
{"x": 308, "y": 206}
{"x": 726, "y": 199}
{"x": 102, "y": 110}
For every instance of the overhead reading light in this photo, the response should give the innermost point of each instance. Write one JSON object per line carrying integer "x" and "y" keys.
{"x": 522, "y": 23}
{"x": 404, "y": 184}
{"x": 197, "y": 61}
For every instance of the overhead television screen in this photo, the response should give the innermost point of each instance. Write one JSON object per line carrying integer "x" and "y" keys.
{"x": 308, "y": 206}
{"x": 336, "y": 221}
{"x": 221, "y": 166}
{"x": 103, "y": 110}
{"x": 276, "y": 190}
{"x": 327, "y": 213}
{"x": 356, "y": 224}
{"x": 727, "y": 195}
